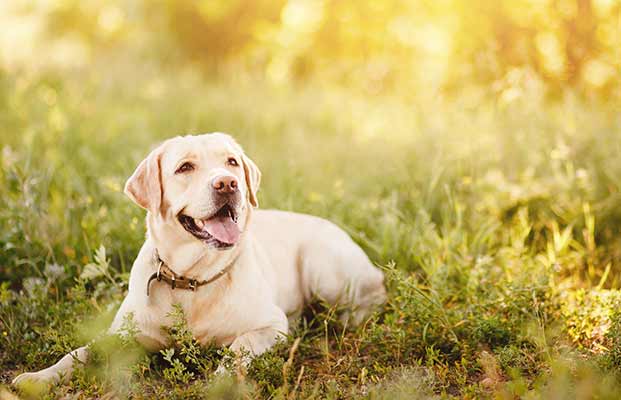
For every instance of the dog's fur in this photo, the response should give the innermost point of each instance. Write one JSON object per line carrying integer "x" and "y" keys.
{"x": 279, "y": 262}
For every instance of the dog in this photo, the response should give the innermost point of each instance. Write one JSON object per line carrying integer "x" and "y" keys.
{"x": 240, "y": 274}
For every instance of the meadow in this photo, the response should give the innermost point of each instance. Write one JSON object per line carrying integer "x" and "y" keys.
{"x": 492, "y": 201}
{"x": 497, "y": 227}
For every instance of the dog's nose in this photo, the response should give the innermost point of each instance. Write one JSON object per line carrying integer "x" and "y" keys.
{"x": 225, "y": 184}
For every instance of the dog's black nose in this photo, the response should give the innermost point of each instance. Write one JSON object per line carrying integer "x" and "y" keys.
{"x": 225, "y": 184}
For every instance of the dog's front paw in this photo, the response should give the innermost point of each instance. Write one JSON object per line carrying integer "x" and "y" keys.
{"x": 34, "y": 379}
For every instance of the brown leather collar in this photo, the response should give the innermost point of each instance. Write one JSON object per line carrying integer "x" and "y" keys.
{"x": 164, "y": 273}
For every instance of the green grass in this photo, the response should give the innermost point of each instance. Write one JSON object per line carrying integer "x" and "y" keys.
{"x": 498, "y": 226}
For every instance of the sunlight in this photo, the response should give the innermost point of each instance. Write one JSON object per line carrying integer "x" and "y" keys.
{"x": 462, "y": 156}
{"x": 303, "y": 15}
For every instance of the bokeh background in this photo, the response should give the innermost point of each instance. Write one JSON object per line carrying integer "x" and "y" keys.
{"x": 441, "y": 48}
{"x": 471, "y": 147}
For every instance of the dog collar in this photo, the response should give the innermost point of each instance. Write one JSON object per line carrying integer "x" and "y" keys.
{"x": 164, "y": 273}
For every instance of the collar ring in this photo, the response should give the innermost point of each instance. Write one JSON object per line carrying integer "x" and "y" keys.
{"x": 159, "y": 270}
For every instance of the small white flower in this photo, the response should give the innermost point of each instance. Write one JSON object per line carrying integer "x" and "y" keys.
{"x": 32, "y": 284}
{"x": 54, "y": 272}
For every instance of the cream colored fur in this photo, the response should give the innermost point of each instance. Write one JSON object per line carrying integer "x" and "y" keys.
{"x": 282, "y": 260}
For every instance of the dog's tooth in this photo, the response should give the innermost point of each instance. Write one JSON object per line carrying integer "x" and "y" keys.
{"x": 199, "y": 223}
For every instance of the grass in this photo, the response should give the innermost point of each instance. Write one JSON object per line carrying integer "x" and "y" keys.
{"x": 498, "y": 226}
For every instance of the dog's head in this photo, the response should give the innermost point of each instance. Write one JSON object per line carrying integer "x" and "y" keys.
{"x": 201, "y": 187}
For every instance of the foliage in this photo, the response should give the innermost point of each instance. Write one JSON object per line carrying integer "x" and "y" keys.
{"x": 517, "y": 48}
{"x": 493, "y": 209}
{"x": 489, "y": 247}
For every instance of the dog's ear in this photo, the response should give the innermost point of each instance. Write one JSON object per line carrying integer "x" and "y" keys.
{"x": 253, "y": 179}
{"x": 144, "y": 187}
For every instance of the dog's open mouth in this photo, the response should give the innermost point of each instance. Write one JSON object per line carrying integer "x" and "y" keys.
{"x": 219, "y": 230}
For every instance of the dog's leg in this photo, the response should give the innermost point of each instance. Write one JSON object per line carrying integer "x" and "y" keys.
{"x": 367, "y": 297}
{"x": 343, "y": 277}
{"x": 62, "y": 370}
{"x": 255, "y": 342}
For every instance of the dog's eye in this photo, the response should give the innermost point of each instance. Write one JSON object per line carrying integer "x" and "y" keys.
{"x": 232, "y": 162}
{"x": 185, "y": 167}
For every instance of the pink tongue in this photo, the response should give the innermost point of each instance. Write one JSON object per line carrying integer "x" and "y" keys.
{"x": 223, "y": 229}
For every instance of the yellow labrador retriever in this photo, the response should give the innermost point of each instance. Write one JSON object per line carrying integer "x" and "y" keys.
{"x": 238, "y": 273}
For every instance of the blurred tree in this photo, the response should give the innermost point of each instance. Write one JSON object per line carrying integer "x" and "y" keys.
{"x": 376, "y": 45}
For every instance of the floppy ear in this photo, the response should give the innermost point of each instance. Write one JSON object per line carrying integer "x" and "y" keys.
{"x": 253, "y": 179}
{"x": 144, "y": 187}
